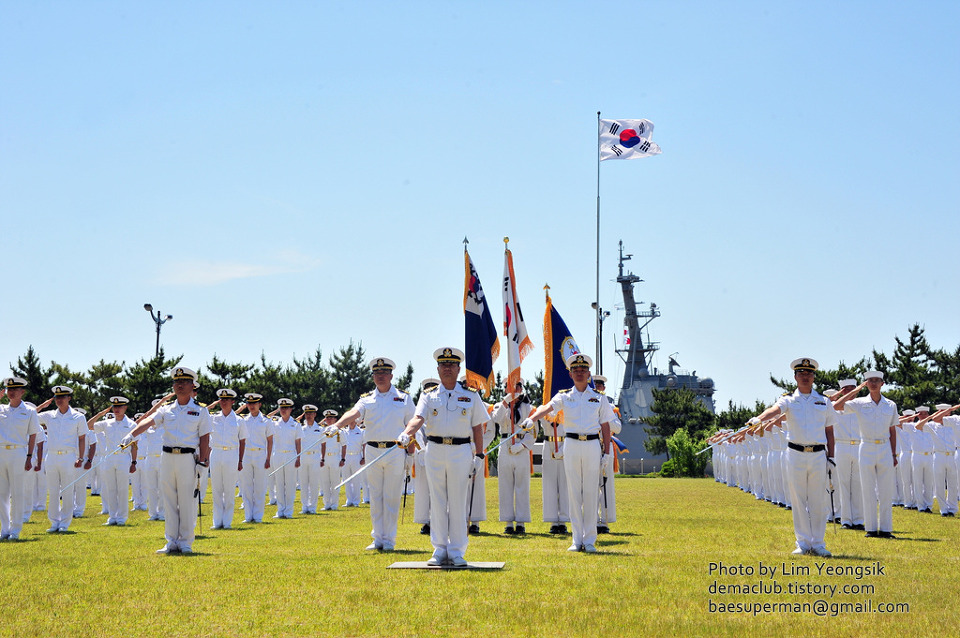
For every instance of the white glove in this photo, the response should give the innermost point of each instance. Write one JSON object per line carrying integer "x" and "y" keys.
{"x": 559, "y": 453}
{"x": 478, "y": 464}
{"x": 604, "y": 465}
{"x": 331, "y": 430}
{"x": 509, "y": 398}
{"x": 526, "y": 424}
{"x": 516, "y": 448}
{"x": 126, "y": 441}
{"x": 404, "y": 439}
{"x": 754, "y": 421}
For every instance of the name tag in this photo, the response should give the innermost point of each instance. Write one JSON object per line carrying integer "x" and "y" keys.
{"x": 463, "y": 399}
{"x": 192, "y": 413}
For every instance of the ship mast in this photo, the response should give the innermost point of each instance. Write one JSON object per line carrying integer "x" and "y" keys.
{"x": 638, "y": 357}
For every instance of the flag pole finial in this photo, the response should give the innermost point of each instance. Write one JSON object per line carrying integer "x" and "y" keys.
{"x": 546, "y": 289}
{"x": 506, "y": 240}
{"x": 465, "y": 242}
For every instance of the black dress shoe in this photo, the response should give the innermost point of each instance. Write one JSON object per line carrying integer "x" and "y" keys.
{"x": 509, "y": 530}
{"x": 858, "y": 526}
{"x": 872, "y": 534}
{"x": 885, "y": 535}
{"x": 521, "y": 529}
{"x": 473, "y": 529}
{"x": 425, "y": 529}
{"x": 847, "y": 526}
{"x": 603, "y": 529}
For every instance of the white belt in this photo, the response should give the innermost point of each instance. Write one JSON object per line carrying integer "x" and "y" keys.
{"x": 254, "y": 449}
{"x": 309, "y": 453}
{"x": 947, "y": 453}
{"x": 225, "y": 448}
{"x": 848, "y": 441}
{"x": 876, "y": 441}
{"x": 284, "y": 452}
{"x": 13, "y": 447}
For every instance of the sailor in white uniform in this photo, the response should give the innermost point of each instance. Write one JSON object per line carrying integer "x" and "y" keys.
{"x": 586, "y": 417}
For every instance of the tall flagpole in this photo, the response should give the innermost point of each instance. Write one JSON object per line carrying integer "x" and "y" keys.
{"x": 596, "y": 305}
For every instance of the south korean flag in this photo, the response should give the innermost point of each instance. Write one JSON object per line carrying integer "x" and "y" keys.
{"x": 627, "y": 139}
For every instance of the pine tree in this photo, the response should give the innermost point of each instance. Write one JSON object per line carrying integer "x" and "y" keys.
{"x": 675, "y": 410}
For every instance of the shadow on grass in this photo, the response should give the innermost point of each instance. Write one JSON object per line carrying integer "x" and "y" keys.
{"x": 607, "y": 543}
{"x": 403, "y": 552}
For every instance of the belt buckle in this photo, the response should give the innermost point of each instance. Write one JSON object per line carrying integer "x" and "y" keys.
{"x": 448, "y": 440}
{"x": 381, "y": 445}
{"x": 808, "y": 448}
{"x": 581, "y": 437}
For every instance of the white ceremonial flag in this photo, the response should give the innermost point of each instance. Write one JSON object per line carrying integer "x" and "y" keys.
{"x": 627, "y": 139}
{"x": 518, "y": 342}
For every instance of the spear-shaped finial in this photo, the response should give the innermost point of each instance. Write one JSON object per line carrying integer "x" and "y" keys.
{"x": 465, "y": 242}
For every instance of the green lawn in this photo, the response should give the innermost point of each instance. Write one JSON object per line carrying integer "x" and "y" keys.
{"x": 311, "y": 576}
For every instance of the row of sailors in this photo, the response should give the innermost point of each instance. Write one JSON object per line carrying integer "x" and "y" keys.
{"x": 927, "y": 468}
{"x": 326, "y": 454}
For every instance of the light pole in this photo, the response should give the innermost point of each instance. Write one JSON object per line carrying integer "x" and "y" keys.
{"x": 157, "y": 320}
{"x": 601, "y": 315}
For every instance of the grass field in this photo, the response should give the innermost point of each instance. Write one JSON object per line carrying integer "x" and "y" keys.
{"x": 652, "y": 576}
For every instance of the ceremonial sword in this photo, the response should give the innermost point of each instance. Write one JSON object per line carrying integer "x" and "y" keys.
{"x": 120, "y": 448}
{"x": 368, "y": 465}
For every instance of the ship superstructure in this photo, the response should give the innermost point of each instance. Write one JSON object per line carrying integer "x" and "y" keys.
{"x": 640, "y": 378}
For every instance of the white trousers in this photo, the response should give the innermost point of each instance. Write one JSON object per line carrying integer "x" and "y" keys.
{"x": 513, "y": 485}
{"x": 114, "y": 487}
{"x": 286, "y": 481}
{"x": 448, "y": 473}
{"x": 808, "y": 494}
{"x": 477, "y": 510}
{"x": 581, "y": 461}
{"x": 309, "y": 481}
{"x": 223, "y": 481}
{"x": 253, "y": 482}
{"x": 923, "y": 486}
{"x": 139, "y": 492}
{"x": 178, "y": 481}
{"x": 12, "y": 501}
{"x": 945, "y": 482}
{"x": 330, "y": 478}
{"x": 554, "y": 487}
{"x": 876, "y": 480}
{"x": 351, "y": 467}
{"x": 421, "y": 503}
{"x": 608, "y": 495}
{"x": 30, "y": 480}
{"x": 905, "y": 472}
{"x": 385, "y": 480}
{"x": 60, "y": 472}
{"x": 847, "y": 473}
{"x": 151, "y": 485}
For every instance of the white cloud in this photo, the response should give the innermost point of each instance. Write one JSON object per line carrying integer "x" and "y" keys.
{"x": 201, "y": 272}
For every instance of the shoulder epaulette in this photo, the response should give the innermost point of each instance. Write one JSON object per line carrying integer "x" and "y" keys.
{"x": 366, "y": 394}
{"x": 567, "y": 391}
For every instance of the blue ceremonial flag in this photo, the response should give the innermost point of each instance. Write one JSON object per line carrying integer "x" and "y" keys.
{"x": 482, "y": 345}
{"x": 558, "y": 346}
{"x": 621, "y": 446}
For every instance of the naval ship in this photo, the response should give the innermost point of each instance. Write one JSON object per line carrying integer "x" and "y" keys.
{"x": 640, "y": 378}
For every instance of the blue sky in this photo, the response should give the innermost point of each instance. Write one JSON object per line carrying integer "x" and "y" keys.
{"x": 286, "y": 176}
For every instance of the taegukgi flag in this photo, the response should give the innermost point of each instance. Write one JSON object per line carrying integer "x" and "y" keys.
{"x": 482, "y": 347}
{"x": 518, "y": 341}
{"x": 627, "y": 139}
